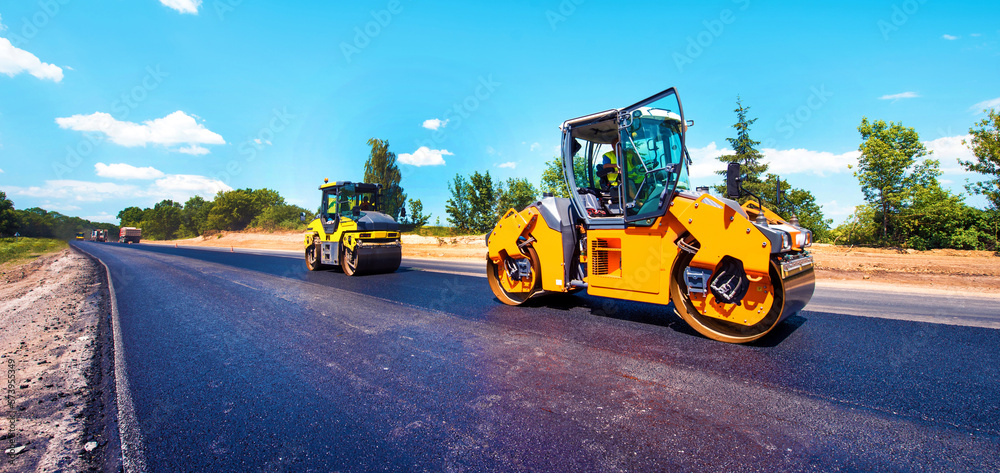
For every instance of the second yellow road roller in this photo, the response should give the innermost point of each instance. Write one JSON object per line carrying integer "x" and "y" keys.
{"x": 634, "y": 229}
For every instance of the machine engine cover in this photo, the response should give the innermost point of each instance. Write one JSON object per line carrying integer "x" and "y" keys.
{"x": 730, "y": 284}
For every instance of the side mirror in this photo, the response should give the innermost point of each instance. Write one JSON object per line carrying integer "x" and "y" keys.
{"x": 777, "y": 194}
{"x": 302, "y": 217}
{"x": 402, "y": 212}
{"x": 733, "y": 181}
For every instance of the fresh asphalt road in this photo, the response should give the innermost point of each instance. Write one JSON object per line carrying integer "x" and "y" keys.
{"x": 249, "y": 362}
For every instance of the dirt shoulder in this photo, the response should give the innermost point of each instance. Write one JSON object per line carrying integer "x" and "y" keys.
{"x": 50, "y": 309}
{"x": 952, "y": 270}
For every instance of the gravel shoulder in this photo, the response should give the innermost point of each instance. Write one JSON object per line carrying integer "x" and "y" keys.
{"x": 54, "y": 349}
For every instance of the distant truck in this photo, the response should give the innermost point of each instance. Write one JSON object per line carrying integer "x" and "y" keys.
{"x": 129, "y": 235}
{"x": 99, "y": 235}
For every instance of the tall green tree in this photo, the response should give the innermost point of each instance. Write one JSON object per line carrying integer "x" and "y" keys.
{"x": 553, "y": 181}
{"x": 482, "y": 202}
{"x": 985, "y": 144}
{"x": 381, "y": 168}
{"x": 194, "y": 216}
{"x": 130, "y": 217}
{"x": 457, "y": 207}
{"x": 887, "y": 151}
{"x": 798, "y": 202}
{"x": 516, "y": 193}
{"x": 8, "y": 217}
{"x": 163, "y": 221}
{"x": 417, "y": 216}
{"x": 745, "y": 152}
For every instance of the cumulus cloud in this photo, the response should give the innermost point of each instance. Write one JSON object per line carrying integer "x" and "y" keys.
{"x": 178, "y": 128}
{"x": 704, "y": 162}
{"x": 183, "y": 6}
{"x": 986, "y": 104}
{"x": 508, "y": 165}
{"x": 787, "y": 161}
{"x": 948, "y": 150}
{"x": 126, "y": 171}
{"x": 903, "y": 95}
{"x": 425, "y": 156}
{"x": 435, "y": 123}
{"x": 177, "y": 187}
{"x": 949, "y": 37}
{"x": 833, "y": 208}
{"x": 804, "y": 161}
{"x": 14, "y": 61}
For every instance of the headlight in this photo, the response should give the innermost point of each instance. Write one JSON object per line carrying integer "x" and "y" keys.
{"x": 786, "y": 241}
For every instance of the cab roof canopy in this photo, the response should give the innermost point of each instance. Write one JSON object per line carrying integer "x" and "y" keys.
{"x": 360, "y": 187}
{"x": 598, "y": 128}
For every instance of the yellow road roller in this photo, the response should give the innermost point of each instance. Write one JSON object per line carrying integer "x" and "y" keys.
{"x": 634, "y": 229}
{"x": 351, "y": 232}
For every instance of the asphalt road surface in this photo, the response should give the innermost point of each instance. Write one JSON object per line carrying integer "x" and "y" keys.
{"x": 249, "y": 362}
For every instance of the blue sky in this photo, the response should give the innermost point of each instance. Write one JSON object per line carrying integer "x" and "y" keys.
{"x": 108, "y": 104}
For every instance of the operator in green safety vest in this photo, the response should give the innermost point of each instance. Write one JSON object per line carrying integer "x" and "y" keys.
{"x": 608, "y": 170}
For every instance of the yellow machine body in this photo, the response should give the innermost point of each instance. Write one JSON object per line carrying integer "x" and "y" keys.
{"x": 351, "y": 233}
{"x": 728, "y": 274}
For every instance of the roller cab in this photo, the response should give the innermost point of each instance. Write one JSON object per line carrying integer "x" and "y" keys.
{"x": 634, "y": 229}
{"x": 351, "y": 233}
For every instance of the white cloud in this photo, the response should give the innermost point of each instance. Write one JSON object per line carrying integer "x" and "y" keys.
{"x": 177, "y": 187}
{"x": 59, "y": 207}
{"x": 508, "y": 165}
{"x": 66, "y": 190}
{"x": 194, "y": 150}
{"x": 435, "y": 123}
{"x": 183, "y": 6}
{"x": 786, "y": 161}
{"x": 425, "y": 156}
{"x": 103, "y": 217}
{"x": 833, "y": 208}
{"x": 948, "y": 150}
{"x": 177, "y": 128}
{"x": 262, "y": 142}
{"x": 536, "y": 146}
{"x": 804, "y": 161}
{"x": 126, "y": 171}
{"x": 14, "y": 61}
{"x": 703, "y": 162}
{"x": 985, "y": 104}
{"x": 180, "y": 187}
{"x": 949, "y": 37}
{"x": 903, "y": 95}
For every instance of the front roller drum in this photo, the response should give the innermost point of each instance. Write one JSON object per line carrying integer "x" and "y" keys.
{"x": 372, "y": 259}
{"x": 513, "y": 291}
{"x": 790, "y": 296}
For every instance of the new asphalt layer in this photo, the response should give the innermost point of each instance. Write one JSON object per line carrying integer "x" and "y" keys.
{"x": 249, "y": 362}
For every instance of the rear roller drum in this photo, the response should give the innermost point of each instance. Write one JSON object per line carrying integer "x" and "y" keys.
{"x": 718, "y": 329}
{"x": 513, "y": 291}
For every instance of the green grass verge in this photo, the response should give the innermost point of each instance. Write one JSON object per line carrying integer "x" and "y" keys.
{"x": 25, "y": 248}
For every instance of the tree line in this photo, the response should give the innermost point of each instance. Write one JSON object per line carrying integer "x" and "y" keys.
{"x": 40, "y": 223}
{"x": 476, "y": 203}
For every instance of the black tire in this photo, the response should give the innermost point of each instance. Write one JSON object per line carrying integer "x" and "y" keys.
{"x": 349, "y": 262}
{"x": 312, "y": 256}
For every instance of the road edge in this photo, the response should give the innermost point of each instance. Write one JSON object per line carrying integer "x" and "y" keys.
{"x": 133, "y": 454}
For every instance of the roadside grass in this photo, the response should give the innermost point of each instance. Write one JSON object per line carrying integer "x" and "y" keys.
{"x": 17, "y": 249}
